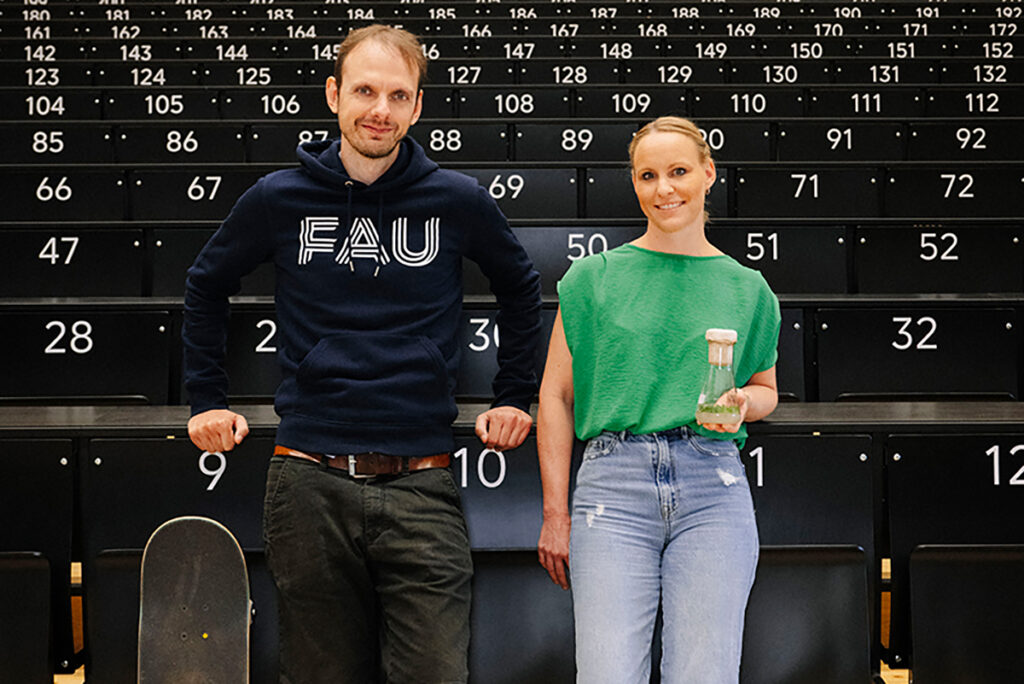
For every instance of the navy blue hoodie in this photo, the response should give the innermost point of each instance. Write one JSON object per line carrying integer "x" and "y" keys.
{"x": 368, "y": 299}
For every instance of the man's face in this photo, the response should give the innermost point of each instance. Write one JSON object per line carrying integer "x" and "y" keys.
{"x": 377, "y": 100}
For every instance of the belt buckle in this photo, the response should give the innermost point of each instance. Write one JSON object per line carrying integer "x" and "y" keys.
{"x": 352, "y": 470}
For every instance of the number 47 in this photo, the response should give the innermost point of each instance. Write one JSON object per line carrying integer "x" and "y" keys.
{"x": 49, "y": 250}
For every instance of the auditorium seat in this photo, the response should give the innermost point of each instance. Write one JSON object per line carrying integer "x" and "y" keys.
{"x": 462, "y": 141}
{"x": 808, "y": 191}
{"x": 967, "y": 613}
{"x": 36, "y": 505}
{"x": 531, "y": 192}
{"x": 807, "y": 618}
{"x": 175, "y": 249}
{"x": 573, "y": 142}
{"x": 965, "y": 141}
{"x": 62, "y": 193}
{"x": 841, "y": 140}
{"x": 793, "y": 258}
{"x": 514, "y": 102}
{"x": 57, "y": 142}
{"x": 953, "y": 489}
{"x": 191, "y": 193}
{"x": 170, "y": 104}
{"x": 180, "y": 142}
{"x": 918, "y": 351}
{"x": 25, "y": 631}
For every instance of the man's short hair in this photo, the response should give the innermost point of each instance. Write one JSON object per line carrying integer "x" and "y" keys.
{"x": 401, "y": 41}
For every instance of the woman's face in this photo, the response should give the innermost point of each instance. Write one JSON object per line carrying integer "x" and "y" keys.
{"x": 671, "y": 181}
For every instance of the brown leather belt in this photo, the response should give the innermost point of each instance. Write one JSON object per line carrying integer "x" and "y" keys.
{"x": 369, "y": 464}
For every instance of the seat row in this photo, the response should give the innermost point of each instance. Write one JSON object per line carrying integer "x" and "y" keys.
{"x": 368, "y": 10}
{"x": 613, "y": 46}
{"x": 111, "y": 352}
{"x": 452, "y": 141}
{"x": 864, "y": 479}
{"x": 555, "y": 26}
{"x": 541, "y": 71}
{"x": 791, "y": 191}
{"x": 526, "y": 102}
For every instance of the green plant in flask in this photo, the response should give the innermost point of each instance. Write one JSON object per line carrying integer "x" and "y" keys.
{"x": 718, "y": 402}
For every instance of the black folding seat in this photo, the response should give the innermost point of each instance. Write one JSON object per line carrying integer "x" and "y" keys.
{"x": 567, "y": 71}
{"x": 531, "y": 193}
{"x": 939, "y": 257}
{"x": 285, "y": 102}
{"x": 54, "y": 261}
{"x": 616, "y": 47}
{"x": 56, "y": 142}
{"x": 36, "y": 503}
{"x": 517, "y": 47}
{"x": 514, "y": 102}
{"x": 460, "y": 72}
{"x": 162, "y": 103}
{"x": 46, "y": 75}
{"x": 51, "y": 104}
{"x": 807, "y": 617}
{"x": 454, "y": 141}
{"x": 577, "y": 141}
{"x": 62, "y": 194}
{"x": 70, "y": 354}
{"x": 195, "y": 194}
{"x": 769, "y": 101}
{"x": 732, "y": 141}
{"x": 153, "y": 75}
{"x": 275, "y": 142}
{"x": 977, "y": 102}
{"x": 793, "y": 259}
{"x": 187, "y": 143}
{"x": 479, "y": 337}
{"x": 954, "y": 190}
{"x": 883, "y": 72}
{"x": 714, "y": 49}
{"x": 966, "y": 612}
{"x": 784, "y": 71}
{"x": 129, "y": 486}
{"x": 790, "y": 367}
{"x": 240, "y": 49}
{"x": 139, "y": 51}
{"x": 953, "y": 489}
{"x": 976, "y": 347}
{"x": 258, "y": 75}
{"x": 961, "y": 141}
{"x": 681, "y": 71}
{"x": 452, "y": 47}
{"x": 175, "y": 249}
{"x": 803, "y": 48}
{"x": 251, "y": 360}
{"x": 901, "y": 47}
{"x": 972, "y": 71}
{"x": 914, "y": 26}
{"x": 987, "y": 47}
{"x": 844, "y": 140}
{"x": 499, "y": 490}
{"x": 553, "y": 249}
{"x": 521, "y": 622}
{"x": 629, "y": 101}
{"x": 25, "y": 617}
{"x": 807, "y": 191}
{"x": 889, "y": 101}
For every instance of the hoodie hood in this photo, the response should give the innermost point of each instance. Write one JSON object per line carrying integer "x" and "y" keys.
{"x": 322, "y": 161}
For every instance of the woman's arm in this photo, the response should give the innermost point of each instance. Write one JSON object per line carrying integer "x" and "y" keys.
{"x": 758, "y": 398}
{"x": 554, "y": 449}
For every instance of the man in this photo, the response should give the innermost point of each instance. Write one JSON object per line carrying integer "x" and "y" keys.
{"x": 362, "y": 522}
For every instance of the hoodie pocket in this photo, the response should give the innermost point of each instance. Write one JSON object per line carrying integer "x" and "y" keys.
{"x": 373, "y": 378}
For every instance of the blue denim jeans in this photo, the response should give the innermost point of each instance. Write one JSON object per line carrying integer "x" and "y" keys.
{"x": 373, "y": 576}
{"x": 661, "y": 517}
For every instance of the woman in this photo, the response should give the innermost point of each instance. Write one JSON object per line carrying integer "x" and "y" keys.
{"x": 662, "y": 509}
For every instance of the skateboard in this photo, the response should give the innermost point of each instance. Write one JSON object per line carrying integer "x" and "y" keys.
{"x": 194, "y": 606}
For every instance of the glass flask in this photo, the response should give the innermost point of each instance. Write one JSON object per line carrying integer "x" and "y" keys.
{"x": 718, "y": 402}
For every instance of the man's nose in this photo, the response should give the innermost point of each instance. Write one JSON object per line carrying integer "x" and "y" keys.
{"x": 381, "y": 107}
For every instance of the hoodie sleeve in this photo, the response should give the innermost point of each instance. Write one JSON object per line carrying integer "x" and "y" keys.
{"x": 240, "y": 244}
{"x": 516, "y": 285}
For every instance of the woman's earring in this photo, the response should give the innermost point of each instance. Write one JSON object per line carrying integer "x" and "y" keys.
{"x": 708, "y": 191}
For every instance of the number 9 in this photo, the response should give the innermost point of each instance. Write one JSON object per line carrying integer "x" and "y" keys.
{"x": 215, "y": 474}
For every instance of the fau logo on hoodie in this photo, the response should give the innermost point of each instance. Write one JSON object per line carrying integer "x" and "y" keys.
{"x": 317, "y": 235}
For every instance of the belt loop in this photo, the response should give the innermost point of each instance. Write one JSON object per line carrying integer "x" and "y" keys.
{"x": 405, "y": 465}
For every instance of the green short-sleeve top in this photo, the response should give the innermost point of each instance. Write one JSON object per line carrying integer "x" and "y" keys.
{"x": 635, "y": 320}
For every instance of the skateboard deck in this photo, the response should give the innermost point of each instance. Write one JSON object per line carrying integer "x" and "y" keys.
{"x": 194, "y": 606}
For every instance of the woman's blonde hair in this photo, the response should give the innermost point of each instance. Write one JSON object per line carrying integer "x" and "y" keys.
{"x": 671, "y": 124}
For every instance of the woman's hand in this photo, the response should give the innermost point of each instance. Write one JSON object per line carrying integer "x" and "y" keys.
{"x": 553, "y": 548}
{"x": 737, "y": 397}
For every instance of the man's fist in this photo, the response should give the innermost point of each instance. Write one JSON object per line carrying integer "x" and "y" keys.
{"x": 503, "y": 427}
{"x": 217, "y": 429}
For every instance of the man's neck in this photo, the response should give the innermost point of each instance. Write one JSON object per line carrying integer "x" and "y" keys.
{"x": 362, "y": 168}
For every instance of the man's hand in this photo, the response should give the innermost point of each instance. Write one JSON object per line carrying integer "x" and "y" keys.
{"x": 217, "y": 429}
{"x": 553, "y": 548}
{"x": 503, "y": 427}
